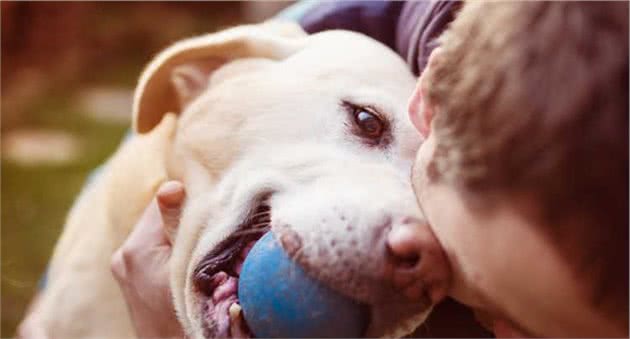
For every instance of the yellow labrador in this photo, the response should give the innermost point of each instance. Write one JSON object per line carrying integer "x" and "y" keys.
{"x": 310, "y": 131}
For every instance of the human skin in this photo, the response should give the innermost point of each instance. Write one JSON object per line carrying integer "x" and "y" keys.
{"x": 502, "y": 264}
{"x": 141, "y": 266}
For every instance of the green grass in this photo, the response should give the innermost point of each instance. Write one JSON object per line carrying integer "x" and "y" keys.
{"x": 35, "y": 199}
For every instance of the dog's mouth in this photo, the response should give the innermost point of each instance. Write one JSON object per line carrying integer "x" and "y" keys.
{"x": 216, "y": 276}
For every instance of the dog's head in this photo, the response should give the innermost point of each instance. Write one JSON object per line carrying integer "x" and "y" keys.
{"x": 306, "y": 136}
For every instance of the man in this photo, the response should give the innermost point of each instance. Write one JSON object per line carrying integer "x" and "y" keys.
{"x": 525, "y": 114}
{"x": 524, "y": 172}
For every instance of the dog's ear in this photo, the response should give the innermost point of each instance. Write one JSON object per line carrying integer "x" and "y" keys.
{"x": 181, "y": 72}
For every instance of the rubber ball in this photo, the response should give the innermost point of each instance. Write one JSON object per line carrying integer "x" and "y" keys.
{"x": 279, "y": 300}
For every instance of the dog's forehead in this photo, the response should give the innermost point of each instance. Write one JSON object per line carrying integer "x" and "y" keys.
{"x": 256, "y": 99}
{"x": 337, "y": 49}
{"x": 353, "y": 63}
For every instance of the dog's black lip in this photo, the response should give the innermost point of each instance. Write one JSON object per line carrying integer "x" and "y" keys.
{"x": 223, "y": 255}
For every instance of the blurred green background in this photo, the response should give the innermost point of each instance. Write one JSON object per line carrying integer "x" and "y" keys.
{"x": 68, "y": 71}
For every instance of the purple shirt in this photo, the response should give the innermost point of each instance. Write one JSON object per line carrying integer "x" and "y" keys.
{"x": 409, "y": 28}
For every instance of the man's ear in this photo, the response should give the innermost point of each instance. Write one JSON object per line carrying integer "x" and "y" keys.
{"x": 426, "y": 116}
{"x": 180, "y": 73}
{"x": 420, "y": 108}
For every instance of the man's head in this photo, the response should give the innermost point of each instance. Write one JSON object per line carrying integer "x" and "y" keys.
{"x": 525, "y": 111}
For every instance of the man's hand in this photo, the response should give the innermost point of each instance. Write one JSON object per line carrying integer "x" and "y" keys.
{"x": 141, "y": 265}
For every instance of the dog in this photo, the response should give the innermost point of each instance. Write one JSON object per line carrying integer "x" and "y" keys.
{"x": 309, "y": 130}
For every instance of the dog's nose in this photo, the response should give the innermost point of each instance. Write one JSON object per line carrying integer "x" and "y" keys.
{"x": 416, "y": 262}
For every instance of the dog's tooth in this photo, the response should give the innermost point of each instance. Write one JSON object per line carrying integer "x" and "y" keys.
{"x": 237, "y": 323}
{"x": 235, "y": 311}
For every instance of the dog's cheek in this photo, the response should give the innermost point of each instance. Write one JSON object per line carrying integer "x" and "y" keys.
{"x": 178, "y": 285}
{"x": 182, "y": 265}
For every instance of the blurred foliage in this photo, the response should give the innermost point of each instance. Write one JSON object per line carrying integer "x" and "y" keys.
{"x": 51, "y": 53}
{"x": 35, "y": 200}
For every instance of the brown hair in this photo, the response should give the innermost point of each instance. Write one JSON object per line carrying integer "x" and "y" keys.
{"x": 531, "y": 98}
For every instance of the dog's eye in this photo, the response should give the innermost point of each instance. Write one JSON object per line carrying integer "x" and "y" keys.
{"x": 369, "y": 123}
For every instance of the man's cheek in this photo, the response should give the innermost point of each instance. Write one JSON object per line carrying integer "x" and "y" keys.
{"x": 419, "y": 177}
{"x": 503, "y": 329}
{"x": 417, "y": 180}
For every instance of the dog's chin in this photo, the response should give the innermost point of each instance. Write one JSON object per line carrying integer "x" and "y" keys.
{"x": 216, "y": 277}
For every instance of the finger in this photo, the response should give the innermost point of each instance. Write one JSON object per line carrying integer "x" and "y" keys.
{"x": 31, "y": 326}
{"x": 170, "y": 198}
{"x": 118, "y": 266}
{"x": 148, "y": 231}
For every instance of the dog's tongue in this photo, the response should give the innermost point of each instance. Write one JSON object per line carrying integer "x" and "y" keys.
{"x": 223, "y": 296}
{"x": 225, "y": 288}
{"x": 223, "y": 311}
{"x": 223, "y": 308}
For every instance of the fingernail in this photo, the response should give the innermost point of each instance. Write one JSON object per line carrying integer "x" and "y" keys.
{"x": 171, "y": 194}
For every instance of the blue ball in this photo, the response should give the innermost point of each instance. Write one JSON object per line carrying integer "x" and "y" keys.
{"x": 280, "y": 300}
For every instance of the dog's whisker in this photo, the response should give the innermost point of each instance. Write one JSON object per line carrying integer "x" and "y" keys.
{"x": 261, "y": 217}
{"x": 259, "y": 220}
{"x": 263, "y": 208}
{"x": 250, "y": 231}
{"x": 259, "y": 223}
{"x": 261, "y": 213}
